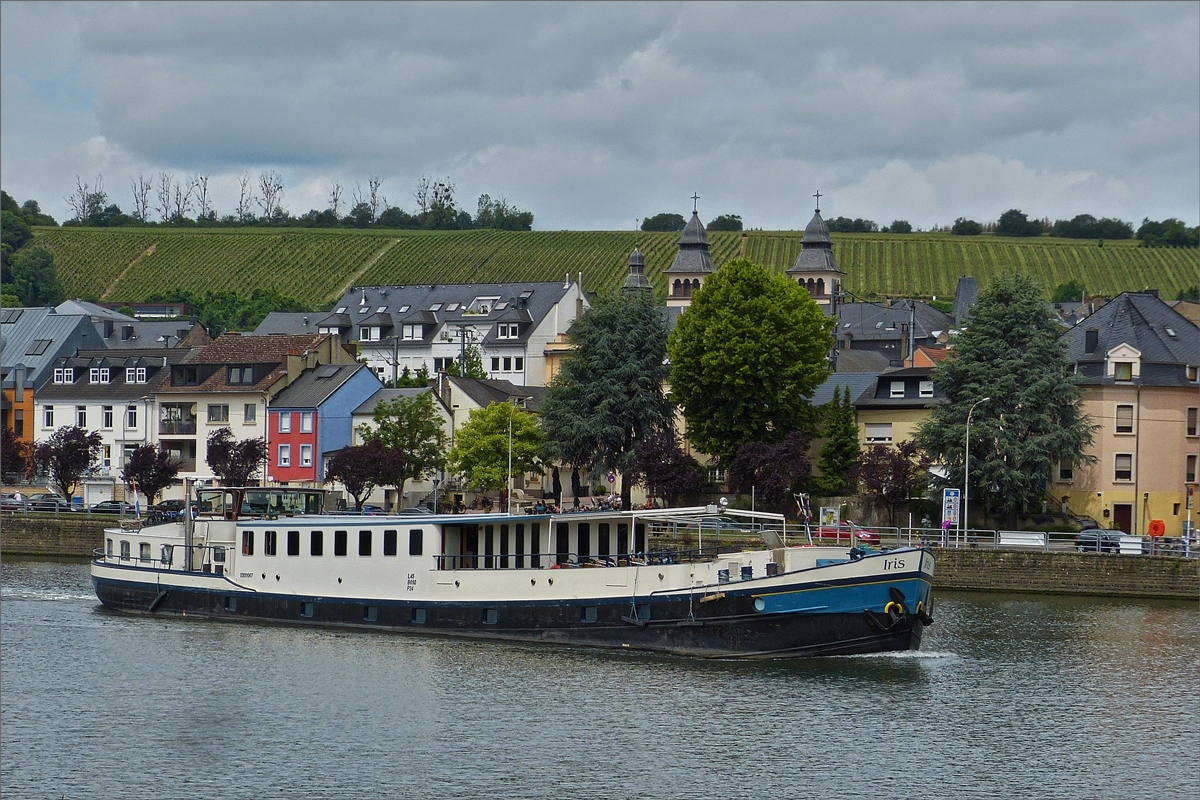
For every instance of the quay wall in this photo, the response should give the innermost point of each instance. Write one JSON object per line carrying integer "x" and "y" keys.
{"x": 966, "y": 569}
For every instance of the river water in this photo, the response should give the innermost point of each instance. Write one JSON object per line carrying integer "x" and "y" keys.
{"x": 1011, "y": 696}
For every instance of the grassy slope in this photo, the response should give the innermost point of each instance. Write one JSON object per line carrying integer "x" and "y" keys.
{"x": 315, "y": 266}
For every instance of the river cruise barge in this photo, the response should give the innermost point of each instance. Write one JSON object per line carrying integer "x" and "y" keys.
{"x": 588, "y": 579}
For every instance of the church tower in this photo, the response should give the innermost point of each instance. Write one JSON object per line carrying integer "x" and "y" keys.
{"x": 636, "y": 279}
{"x": 816, "y": 269}
{"x": 692, "y": 263}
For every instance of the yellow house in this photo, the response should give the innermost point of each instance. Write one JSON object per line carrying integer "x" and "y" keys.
{"x": 890, "y": 408}
{"x": 1137, "y": 361}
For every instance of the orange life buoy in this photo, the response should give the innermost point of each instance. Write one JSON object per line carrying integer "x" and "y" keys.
{"x": 1157, "y": 527}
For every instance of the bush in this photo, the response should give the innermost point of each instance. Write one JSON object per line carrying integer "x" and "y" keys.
{"x": 1014, "y": 223}
{"x": 1085, "y": 226}
{"x": 899, "y": 226}
{"x": 966, "y": 227}
{"x": 663, "y": 222}
{"x": 846, "y": 225}
{"x": 725, "y": 222}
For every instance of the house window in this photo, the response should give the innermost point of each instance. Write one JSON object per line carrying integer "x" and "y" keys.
{"x": 897, "y": 390}
{"x": 285, "y": 422}
{"x": 106, "y": 416}
{"x": 1191, "y": 421}
{"x": 218, "y": 412}
{"x": 507, "y": 330}
{"x": 879, "y": 433}
{"x": 1066, "y": 471}
{"x": 98, "y": 374}
{"x": 48, "y": 417}
{"x": 64, "y": 375}
{"x": 442, "y": 364}
{"x": 411, "y": 333}
{"x": 81, "y": 416}
{"x": 495, "y": 363}
{"x": 369, "y": 333}
{"x": 1123, "y": 467}
{"x": 926, "y": 389}
{"x": 285, "y": 455}
{"x": 269, "y": 543}
{"x": 518, "y": 364}
{"x": 241, "y": 376}
{"x": 1193, "y": 373}
{"x": 107, "y": 455}
{"x": 1190, "y": 473}
{"x": 1123, "y": 371}
{"x": 1124, "y": 419}
{"x": 250, "y": 414}
{"x": 508, "y": 363}
{"x": 306, "y": 455}
{"x": 306, "y": 420}
{"x": 135, "y": 374}
{"x": 131, "y": 416}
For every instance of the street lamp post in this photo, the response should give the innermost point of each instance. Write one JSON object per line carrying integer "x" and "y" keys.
{"x": 510, "y": 419}
{"x": 967, "y": 469}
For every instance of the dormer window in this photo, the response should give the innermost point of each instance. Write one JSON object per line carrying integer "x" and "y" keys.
{"x": 1123, "y": 371}
{"x": 369, "y": 333}
{"x": 135, "y": 374}
{"x": 412, "y": 333}
{"x": 1193, "y": 373}
{"x": 507, "y": 330}
{"x": 98, "y": 374}
{"x": 482, "y": 306}
{"x": 185, "y": 376}
{"x": 64, "y": 375}
{"x": 241, "y": 376}
{"x": 897, "y": 390}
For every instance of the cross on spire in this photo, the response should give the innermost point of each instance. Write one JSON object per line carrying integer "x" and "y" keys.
{"x": 695, "y": 199}
{"x": 818, "y": 196}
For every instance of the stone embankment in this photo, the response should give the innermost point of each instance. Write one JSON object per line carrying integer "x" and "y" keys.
{"x": 969, "y": 570}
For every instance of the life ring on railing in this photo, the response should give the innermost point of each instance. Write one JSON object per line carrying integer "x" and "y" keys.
{"x": 894, "y": 610}
{"x": 1157, "y": 528}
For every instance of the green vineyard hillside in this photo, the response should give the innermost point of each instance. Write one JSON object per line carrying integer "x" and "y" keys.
{"x": 317, "y": 266}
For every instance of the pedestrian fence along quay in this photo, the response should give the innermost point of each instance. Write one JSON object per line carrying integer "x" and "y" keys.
{"x": 1089, "y": 541}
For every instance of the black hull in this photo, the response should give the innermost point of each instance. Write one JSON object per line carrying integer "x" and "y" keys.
{"x": 727, "y": 627}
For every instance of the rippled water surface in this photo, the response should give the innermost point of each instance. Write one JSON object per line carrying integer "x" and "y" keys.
{"x": 1011, "y": 696}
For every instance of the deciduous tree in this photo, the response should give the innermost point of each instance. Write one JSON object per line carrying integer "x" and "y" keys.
{"x": 235, "y": 462}
{"x": 14, "y": 455}
{"x": 152, "y": 469}
{"x": 608, "y": 397}
{"x": 746, "y": 358}
{"x": 1033, "y": 420}
{"x": 70, "y": 454}
{"x": 35, "y": 279}
{"x": 360, "y": 468}
{"x": 412, "y": 428}
{"x": 663, "y": 222}
{"x": 772, "y": 471}
{"x": 483, "y": 444}
{"x": 894, "y": 475}
{"x": 660, "y": 464}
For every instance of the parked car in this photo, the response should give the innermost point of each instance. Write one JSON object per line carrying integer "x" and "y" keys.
{"x": 51, "y": 502}
{"x": 1086, "y": 523}
{"x": 1098, "y": 540}
{"x": 171, "y": 509}
{"x": 370, "y": 509}
{"x": 112, "y": 507}
{"x": 718, "y": 523}
{"x": 9, "y": 502}
{"x": 847, "y": 531}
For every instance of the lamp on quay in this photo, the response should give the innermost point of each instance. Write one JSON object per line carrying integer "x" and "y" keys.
{"x": 967, "y": 469}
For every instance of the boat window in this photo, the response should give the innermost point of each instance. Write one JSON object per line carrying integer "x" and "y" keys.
{"x": 489, "y": 545}
{"x": 562, "y": 549}
{"x": 144, "y": 551}
{"x": 503, "y": 547}
{"x": 219, "y": 554}
{"x": 639, "y": 538}
{"x": 585, "y": 541}
{"x": 108, "y": 547}
{"x": 519, "y": 544}
{"x": 622, "y": 539}
{"x": 389, "y": 543}
{"x": 418, "y": 616}
{"x": 370, "y": 613}
{"x": 293, "y": 543}
{"x": 490, "y": 616}
{"x": 124, "y": 550}
{"x": 535, "y": 546}
{"x": 316, "y": 544}
{"x": 339, "y": 543}
{"x": 588, "y": 614}
{"x": 603, "y": 539}
{"x": 364, "y": 543}
{"x": 269, "y": 543}
{"x": 247, "y": 543}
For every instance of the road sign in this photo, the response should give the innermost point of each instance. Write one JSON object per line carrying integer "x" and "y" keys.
{"x": 951, "y": 502}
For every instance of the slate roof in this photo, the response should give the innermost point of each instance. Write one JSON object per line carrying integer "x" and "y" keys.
{"x": 235, "y": 348}
{"x": 291, "y": 322}
{"x": 437, "y": 305}
{"x": 139, "y": 334}
{"x": 852, "y": 361}
{"x": 96, "y": 312}
{"x": 965, "y": 295}
{"x": 816, "y": 252}
{"x": 35, "y": 337}
{"x": 1166, "y": 339}
{"x": 117, "y": 361}
{"x": 387, "y": 395}
{"x": 875, "y": 322}
{"x": 856, "y": 382}
{"x": 878, "y": 394}
{"x": 693, "y": 253}
{"x": 487, "y": 391}
{"x": 636, "y": 279}
{"x": 316, "y": 385}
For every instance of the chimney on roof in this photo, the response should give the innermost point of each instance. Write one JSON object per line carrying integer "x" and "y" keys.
{"x": 126, "y": 333}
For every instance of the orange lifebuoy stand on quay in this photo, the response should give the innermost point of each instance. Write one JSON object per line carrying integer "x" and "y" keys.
{"x": 1157, "y": 528}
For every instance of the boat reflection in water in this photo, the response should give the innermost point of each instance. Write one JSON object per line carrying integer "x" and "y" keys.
{"x": 252, "y": 554}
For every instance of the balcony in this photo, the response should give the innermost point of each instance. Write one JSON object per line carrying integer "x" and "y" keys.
{"x": 177, "y": 427}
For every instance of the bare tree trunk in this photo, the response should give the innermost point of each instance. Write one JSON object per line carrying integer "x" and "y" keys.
{"x": 374, "y": 182}
{"x": 245, "y": 198}
{"x": 78, "y": 200}
{"x": 141, "y": 196}
{"x": 270, "y": 185}
{"x": 335, "y": 198}
{"x": 200, "y": 183}
{"x": 422, "y": 192}
{"x": 163, "y": 195}
{"x": 181, "y": 199}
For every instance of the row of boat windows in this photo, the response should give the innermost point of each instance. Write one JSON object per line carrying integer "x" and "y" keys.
{"x": 316, "y": 542}
{"x": 419, "y": 616}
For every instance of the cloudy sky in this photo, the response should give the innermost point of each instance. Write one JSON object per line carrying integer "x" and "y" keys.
{"x": 594, "y": 115}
